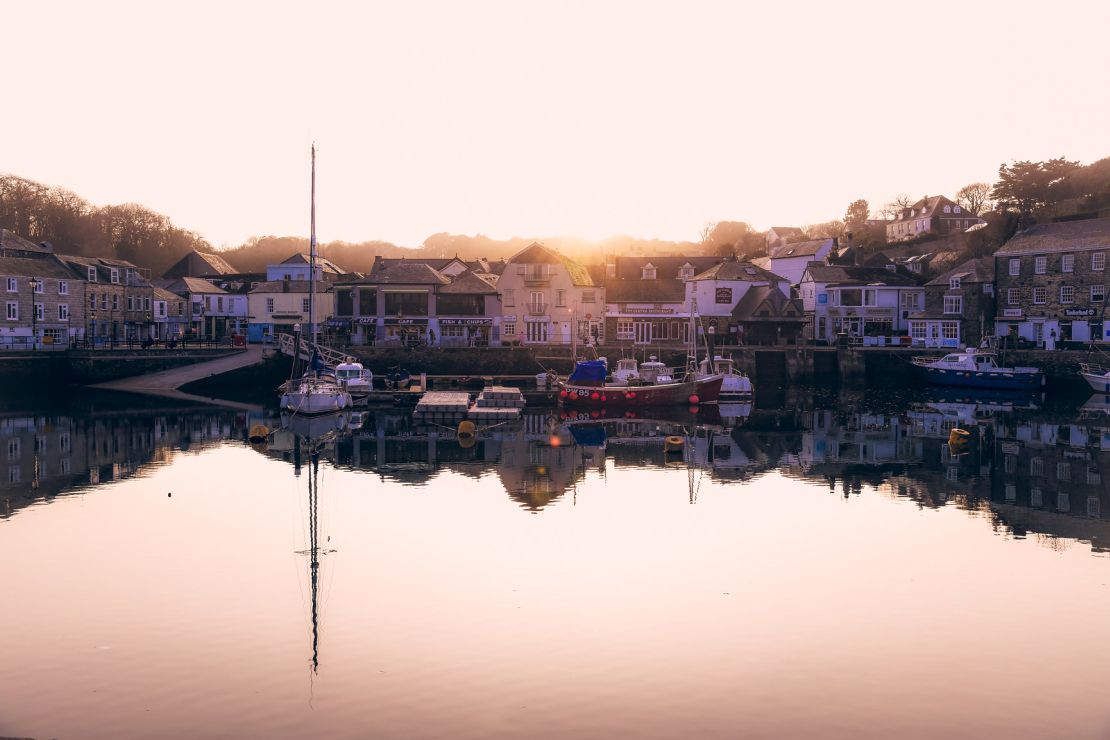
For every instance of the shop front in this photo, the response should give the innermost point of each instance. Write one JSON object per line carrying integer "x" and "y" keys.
{"x": 471, "y": 331}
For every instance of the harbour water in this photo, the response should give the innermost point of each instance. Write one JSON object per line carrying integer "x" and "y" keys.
{"x": 825, "y": 566}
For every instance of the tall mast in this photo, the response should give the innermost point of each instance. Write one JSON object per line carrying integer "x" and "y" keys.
{"x": 312, "y": 255}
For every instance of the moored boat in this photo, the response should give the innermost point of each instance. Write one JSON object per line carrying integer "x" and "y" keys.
{"x": 586, "y": 387}
{"x": 1097, "y": 376}
{"x": 974, "y": 369}
{"x": 354, "y": 378}
{"x": 736, "y": 384}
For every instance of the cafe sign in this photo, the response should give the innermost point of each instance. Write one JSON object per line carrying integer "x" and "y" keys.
{"x": 405, "y": 322}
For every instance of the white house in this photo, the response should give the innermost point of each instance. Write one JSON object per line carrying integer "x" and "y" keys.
{"x": 858, "y": 301}
{"x": 212, "y": 311}
{"x": 297, "y": 268}
{"x": 790, "y": 260}
{"x": 715, "y": 294}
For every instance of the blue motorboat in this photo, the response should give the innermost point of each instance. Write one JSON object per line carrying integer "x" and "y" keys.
{"x": 975, "y": 369}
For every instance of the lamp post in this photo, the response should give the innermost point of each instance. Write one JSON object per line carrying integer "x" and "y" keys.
{"x": 34, "y": 283}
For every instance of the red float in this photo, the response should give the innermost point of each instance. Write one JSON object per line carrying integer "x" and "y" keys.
{"x": 594, "y": 396}
{"x": 694, "y": 398}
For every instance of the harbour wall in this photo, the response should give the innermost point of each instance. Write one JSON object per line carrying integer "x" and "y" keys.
{"x": 83, "y": 367}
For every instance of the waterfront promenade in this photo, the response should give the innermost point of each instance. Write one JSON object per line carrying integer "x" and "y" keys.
{"x": 167, "y": 382}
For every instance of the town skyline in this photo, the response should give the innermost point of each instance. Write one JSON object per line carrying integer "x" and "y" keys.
{"x": 510, "y": 120}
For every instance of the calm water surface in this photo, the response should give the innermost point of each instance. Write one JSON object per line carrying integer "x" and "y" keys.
{"x": 831, "y": 570}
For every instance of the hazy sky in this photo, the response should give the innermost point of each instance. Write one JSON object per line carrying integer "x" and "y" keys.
{"x": 536, "y": 119}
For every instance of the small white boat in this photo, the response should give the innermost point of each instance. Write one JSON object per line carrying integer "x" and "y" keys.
{"x": 736, "y": 385}
{"x": 650, "y": 372}
{"x": 354, "y": 378}
{"x": 314, "y": 394}
{"x": 1097, "y": 376}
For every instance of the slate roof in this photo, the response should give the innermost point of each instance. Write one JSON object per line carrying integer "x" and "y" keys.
{"x": 162, "y": 294}
{"x": 854, "y": 275}
{"x": 478, "y": 265}
{"x": 1065, "y": 236}
{"x": 781, "y": 308}
{"x": 10, "y": 240}
{"x": 637, "y": 290}
{"x": 301, "y": 258}
{"x": 787, "y": 231}
{"x": 47, "y": 266}
{"x": 407, "y": 272}
{"x": 537, "y": 254}
{"x": 800, "y": 249}
{"x": 198, "y": 264}
{"x": 469, "y": 283}
{"x": 979, "y": 270}
{"x": 735, "y": 270}
{"x": 629, "y": 268}
{"x": 192, "y": 285}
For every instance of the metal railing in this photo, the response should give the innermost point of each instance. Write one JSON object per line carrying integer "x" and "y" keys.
{"x": 537, "y": 309}
{"x": 331, "y": 357}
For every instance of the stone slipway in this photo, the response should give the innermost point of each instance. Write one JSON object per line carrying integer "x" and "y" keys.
{"x": 166, "y": 382}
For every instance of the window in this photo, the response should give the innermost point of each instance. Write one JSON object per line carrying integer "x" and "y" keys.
{"x": 648, "y": 272}
{"x": 956, "y": 209}
{"x": 115, "y": 301}
{"x": 1009, "y": 463}
{"x": 115, "y": 276}
{"x": 1094, "y": 477}
{"x": 40, "y": 286}
{"x": 13, "y": 285}
{"x": 220, "y": 303}
{"x": 1040, "y": 295}
{"x": 1098, "y": 261}
{"x": 587, "y": 296}
{"x": 305, "y": 304}
{"x": 40, "y": 312}
{"x": 624, "y": 329}
{"x": 1067, "y": 294}
{"x": 13, "y": 311}
{"x": 910, "y": 300}
{"x": 508, "y": 298}
{"x": 686, "y": 272}
{"x": 269, "y": 305}
{"x": 1098, "y": 293}
{"x": 508, "y": 328}
{"x": 953, "y": 304}
{"x": 406, "y": 303}
{"x": 92, "y": 274}
{"x": 560, "y": 298}
{"x": 1036, "y": 497}
{"x": 537, "y": 302}
{"x": 1040, "y": 265}
{"x": 950, "y": 329}
{"x": 146, "y": 303}
{"x": 1036, "y": 467}
{"x": 948, "y": 209}
{"x": 92, "y": 301}
{"x": 1067, "y": 263}
{"x": 954, "y": 284}
{"x": 1012, "y": 296}
{"x": 1015, "y": 265}
{"x": 1063, "y": 471}
{"x": 63, "y": 312}
{"x": 1063, "y": 503}
{"x": 130, "y": 303}
{"x": 63, "y": 287}
{"x": 103, "y": 301}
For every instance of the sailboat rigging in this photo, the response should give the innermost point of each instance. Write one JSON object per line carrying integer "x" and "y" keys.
{"x": 317, "y": 391}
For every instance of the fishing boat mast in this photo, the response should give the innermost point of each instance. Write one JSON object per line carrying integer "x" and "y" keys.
{"x": 312, "y": 255}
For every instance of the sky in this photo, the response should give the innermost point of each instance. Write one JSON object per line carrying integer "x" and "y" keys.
{"x": 537, "y": 119}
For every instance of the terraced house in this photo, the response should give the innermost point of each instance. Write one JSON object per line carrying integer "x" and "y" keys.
{"x": 1051, "y": 283}
{"x": 546, "y": 298}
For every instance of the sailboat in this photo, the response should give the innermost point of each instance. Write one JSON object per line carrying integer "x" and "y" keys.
{"x": 317, "y": 391}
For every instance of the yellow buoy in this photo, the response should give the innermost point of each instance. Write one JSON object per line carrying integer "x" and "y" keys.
{"x": 958, "y": 437}
{"x": 673, "y": 443}
{"x": 466, "y": 428}
{"x": 258, "y": 433}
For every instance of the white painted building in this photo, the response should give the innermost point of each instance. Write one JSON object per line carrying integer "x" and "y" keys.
{"x": 859, "y": 302}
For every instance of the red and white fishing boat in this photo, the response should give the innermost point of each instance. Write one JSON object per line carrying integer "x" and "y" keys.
{"x": 586, "y": 387}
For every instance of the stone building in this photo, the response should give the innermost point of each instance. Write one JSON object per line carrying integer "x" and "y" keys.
{"x": 959, "y": 307}
{"x": 1051, "y": 282}
{"x": 934, "y": 215}
{"x": 44, "y": 303}
{"x": 544, "y": 294}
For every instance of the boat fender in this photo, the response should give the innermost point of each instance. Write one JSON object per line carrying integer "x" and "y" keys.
{"x": 958, "y": 437}
{"x": 694, "y": 399}
{"x": 466, "y": 428}
{"x": 673, "y": 443}
{"x": 258, "y": 433}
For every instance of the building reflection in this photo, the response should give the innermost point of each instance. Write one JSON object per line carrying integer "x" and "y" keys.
{"x": 1034, "y": 471}
{"x": 45, "y": 455}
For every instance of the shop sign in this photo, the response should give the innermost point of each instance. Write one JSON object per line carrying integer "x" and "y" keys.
{"x": 405, "y": 322}
{"x": 1079, "y": 312}
{"x": 466, "y": 322}
{"x": 1011, "y": 313}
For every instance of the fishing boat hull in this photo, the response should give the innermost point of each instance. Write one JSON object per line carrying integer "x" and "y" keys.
{"x": 1099, "y": 382}
{"x": 992, "y": 379}
{"x": 690, "y": 393}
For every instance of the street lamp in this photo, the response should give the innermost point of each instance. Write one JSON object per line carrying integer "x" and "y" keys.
{"x": 34, "y": 283}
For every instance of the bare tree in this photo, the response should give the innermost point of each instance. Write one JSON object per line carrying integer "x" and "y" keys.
{"x": 974, "y": 198}
{"x": 894, "y": 207}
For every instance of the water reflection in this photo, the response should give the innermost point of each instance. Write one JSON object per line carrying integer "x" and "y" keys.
{"x": 1033, "y": 469}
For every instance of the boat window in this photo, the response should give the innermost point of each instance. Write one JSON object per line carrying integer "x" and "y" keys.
{"x": 951, "y": 358}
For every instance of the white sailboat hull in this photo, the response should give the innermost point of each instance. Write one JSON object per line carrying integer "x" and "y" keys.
{"x": 307, "y": 397}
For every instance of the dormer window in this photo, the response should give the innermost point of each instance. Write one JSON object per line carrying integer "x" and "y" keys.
{"x": 954, "y": 283}
{"x": 956, "y": 209}
{"x": 92, "y": 274}
{"x": 686, "y": 272}
{"x": 115, "y": 276}
{"x": 948, "y": 209}
{"x": 648, "y": 272}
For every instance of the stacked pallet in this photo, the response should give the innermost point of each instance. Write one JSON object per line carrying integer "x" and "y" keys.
{"x": 441, "y": 407}
{"x": 497, "y": 403}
